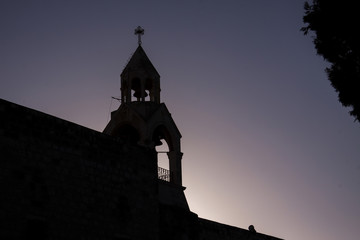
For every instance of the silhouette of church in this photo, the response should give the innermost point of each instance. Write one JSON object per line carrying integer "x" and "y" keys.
{"x": 59, "y": 180}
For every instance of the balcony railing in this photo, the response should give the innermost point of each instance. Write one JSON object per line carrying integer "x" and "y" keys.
{"x": 163, "y": 174}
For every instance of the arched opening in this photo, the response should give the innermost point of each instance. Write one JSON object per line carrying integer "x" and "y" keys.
{"x": 162, "y": 150}
{"x": 147, "y": 95}
{"x": 148, "y": 89}
{"x": 163, "y": 146}
{"x": 135, "y": 89}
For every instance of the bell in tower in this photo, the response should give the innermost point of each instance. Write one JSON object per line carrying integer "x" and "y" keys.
{"x": 141, "y": 117}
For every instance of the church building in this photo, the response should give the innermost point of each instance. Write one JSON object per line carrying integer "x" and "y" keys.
{"x": 59, "y": 180}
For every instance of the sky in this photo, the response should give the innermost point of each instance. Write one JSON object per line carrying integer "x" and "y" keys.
{"x": 264, "y": 138}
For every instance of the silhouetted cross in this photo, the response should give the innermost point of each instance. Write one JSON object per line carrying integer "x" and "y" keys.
{"x": 139, "y": 31}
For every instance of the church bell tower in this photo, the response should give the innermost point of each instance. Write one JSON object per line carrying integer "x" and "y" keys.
{"x": 141, "y": 118}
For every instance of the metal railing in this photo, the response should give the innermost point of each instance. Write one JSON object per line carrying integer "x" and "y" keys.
{"x": 164, "y": 174}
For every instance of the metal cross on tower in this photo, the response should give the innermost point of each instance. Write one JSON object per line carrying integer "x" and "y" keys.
{"x": 139, "y": 31}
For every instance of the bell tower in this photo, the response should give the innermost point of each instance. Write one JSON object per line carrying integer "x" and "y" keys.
{"x": 140, "y": 81}
{"x": 141, "y": 118}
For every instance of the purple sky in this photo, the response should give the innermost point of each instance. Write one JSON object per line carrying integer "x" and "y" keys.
{"x": 265, "y": 140}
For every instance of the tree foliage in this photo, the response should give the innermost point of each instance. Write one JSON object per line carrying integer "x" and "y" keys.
{"x": 337, "y": 39}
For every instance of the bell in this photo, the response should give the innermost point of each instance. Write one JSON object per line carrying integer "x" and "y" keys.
{"x": 138, "y": 94}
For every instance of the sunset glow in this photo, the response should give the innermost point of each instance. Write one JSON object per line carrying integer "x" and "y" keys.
{"x": 264, "y": 138}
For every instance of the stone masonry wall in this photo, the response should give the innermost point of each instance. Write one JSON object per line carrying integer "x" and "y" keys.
{"x": 59, "y": 180}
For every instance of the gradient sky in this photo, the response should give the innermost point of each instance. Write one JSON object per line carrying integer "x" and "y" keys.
{"x": 265, "y": 140}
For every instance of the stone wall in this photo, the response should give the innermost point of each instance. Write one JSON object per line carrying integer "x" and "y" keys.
{"x": 59, "y": 180}
{"x": 177, "y": 223}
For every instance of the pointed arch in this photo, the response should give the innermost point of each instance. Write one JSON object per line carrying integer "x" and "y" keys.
{"x": 162, "y": 132}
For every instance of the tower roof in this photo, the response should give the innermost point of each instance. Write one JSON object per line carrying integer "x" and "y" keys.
{"x": 139, "y": 62}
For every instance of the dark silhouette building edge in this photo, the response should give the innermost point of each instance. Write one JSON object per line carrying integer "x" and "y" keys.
{"x": 59, "y": 180}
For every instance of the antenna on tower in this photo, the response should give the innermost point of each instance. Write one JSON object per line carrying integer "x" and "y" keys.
{"x": 116, "y": 98}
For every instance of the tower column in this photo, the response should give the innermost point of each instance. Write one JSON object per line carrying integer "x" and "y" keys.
{"x": 175, "y": 167}
{"x": 142, "y": 90}
{"x": 128, "y": 92}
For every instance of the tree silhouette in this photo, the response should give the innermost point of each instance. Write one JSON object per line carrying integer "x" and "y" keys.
{"x": 336, "y": 28}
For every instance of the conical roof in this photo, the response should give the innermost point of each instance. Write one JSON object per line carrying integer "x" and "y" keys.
{"x": 139, "y": 62}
